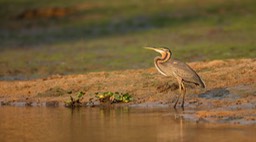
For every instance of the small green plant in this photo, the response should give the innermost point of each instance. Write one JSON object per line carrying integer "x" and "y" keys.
{"x": 105, "y": 97}
{"x": 115, "y": 97}
{"x": 73, "y": 102}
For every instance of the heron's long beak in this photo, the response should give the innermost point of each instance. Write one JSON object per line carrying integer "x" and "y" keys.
{"x": 155, "y": 49}
{"x": 150, "y": 48}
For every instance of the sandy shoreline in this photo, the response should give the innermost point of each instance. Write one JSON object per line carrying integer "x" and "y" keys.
{"x": 230, "y": 96}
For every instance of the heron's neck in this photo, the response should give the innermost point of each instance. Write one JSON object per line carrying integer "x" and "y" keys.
{"x": 165, "y": 57}
{"x": 159, "y": 60}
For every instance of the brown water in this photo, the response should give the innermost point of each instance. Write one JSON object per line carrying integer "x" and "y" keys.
{"x": 45, "y": 124}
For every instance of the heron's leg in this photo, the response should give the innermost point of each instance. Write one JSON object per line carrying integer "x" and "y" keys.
{"x": 183, "y": 94}
{"x": 178, "y": 97}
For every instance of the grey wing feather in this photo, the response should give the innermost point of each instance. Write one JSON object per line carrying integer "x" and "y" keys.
{"x": 185, "y": 72}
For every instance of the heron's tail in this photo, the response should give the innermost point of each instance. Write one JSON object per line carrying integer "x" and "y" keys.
{"x": 201, "y": 83}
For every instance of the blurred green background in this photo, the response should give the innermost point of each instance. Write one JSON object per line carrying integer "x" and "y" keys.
{"x": 41, "y": 38}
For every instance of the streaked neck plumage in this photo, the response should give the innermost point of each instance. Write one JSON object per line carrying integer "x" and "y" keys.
{"x": 160, "y": 60}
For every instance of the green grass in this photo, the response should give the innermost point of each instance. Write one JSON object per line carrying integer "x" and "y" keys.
{"x": 110, "y": 35}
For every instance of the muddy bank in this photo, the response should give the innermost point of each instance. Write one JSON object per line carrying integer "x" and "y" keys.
{"x": 230, "y": 96}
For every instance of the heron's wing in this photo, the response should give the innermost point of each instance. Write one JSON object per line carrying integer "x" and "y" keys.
{"x": 184, "y": 71}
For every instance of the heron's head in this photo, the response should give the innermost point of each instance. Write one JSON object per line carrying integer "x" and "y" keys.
{"x": 161, "y": 50}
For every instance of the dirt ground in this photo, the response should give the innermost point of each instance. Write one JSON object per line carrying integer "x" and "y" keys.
{"x": 230, "y": 96}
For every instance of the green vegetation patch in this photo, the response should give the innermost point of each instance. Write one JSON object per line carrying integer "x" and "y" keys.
{"x": 104, "y": 97}
{"x": 115, "y": 97}
{"x": 75, "y": 101}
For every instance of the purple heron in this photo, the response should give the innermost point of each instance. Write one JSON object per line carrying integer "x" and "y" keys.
{"x": 181, "y": 71}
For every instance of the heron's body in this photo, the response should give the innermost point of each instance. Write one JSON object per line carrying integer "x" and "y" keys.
{"x": 180, "y": 70}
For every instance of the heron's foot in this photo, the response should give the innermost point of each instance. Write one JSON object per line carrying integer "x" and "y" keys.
{"x": 174, "y": 106}
{"x": 182, "y": 106}
{"x": 176, "y": 102}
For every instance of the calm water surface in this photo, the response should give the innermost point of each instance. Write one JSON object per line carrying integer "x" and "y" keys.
{"x": 44, "y": 124}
